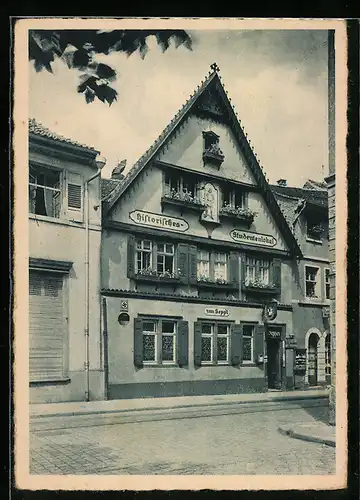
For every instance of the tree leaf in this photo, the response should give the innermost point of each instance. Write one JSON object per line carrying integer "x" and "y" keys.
{"x": 106, "y": 72}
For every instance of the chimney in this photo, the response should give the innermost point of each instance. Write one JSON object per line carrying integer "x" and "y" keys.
{"x": 117, "y": 172}
{"x": 282, "y": 182}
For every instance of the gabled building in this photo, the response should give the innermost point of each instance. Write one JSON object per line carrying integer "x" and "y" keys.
{"x": 197, "y": 262}
{"x": 306, "y": 210}
{"x": 65, "y": 349}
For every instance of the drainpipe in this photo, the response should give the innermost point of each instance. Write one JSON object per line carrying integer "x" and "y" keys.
{"x": 100, "y": 163}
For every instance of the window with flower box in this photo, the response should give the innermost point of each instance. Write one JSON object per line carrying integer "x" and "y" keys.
{"x": 155, "y": 259}
{"x": 181, "y": 190}
{"x": 212, "y": 267}
{"x": 261, "y": 275}
{"x": 160, "y": 341}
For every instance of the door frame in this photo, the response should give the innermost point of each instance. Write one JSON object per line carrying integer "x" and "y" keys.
{"x": 282, "y": 360}
{"x": 307, "y": 337}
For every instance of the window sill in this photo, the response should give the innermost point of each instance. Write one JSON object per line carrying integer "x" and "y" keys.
{"x": 246, "y": 220}
{"x": 63, "y": 221}
{"x": 151, "y": 364}
{"x": 249, "y": 364}
{"x": 314, "y": 240}
{"x": 259, "y": 290}
{"x": 314, "y": 302}
{"x": 155, "y": 279}
{"x": 182, "y": 204}
{"x": 214, "y": 285}
{"x": 55, "y": 381}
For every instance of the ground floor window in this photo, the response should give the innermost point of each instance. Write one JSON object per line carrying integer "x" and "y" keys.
{"x": 248, "y": 343}
{"x": 47, "y": 326}
{"x": 215, "y": 343}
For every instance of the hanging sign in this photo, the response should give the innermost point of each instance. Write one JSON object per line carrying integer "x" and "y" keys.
{"x": 270, "y": 311}
{"x": 217, "y": 311}
{"x": 158, "y": 221}
{"x": 274, "y": 334}
{"x": 250, "y": 238}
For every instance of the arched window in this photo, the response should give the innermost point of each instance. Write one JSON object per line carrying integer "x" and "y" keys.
{"x": 328, "y": 354}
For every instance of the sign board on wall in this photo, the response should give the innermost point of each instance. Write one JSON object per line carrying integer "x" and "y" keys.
{"x": 159, "y": 221}
{"x": 221, "y": 312}
{"x": 250, "y": 238}
{"x": 274, "y": 334}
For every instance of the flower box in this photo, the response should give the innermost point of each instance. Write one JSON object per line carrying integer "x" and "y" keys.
{"x": 205, "y": 282}
{"x": 244, "y": 215}
{"x": 150, "y": 275}
{"x": 260, "y": 288}
{"x": 213, "y": 155}
{"x": 184, "y": 200}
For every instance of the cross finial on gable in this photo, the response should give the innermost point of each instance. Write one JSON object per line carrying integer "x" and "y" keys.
{"x": 215, "y": 67}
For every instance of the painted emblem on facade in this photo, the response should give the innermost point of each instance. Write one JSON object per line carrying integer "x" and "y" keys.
{"x": 159, "y": 221}
{"x": 250, "y": 238}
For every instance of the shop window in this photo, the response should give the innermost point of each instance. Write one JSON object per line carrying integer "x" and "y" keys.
{"x": 56, "y": 194}
{"x": 327, "y": 283}
{"x": 160, "y": 341}
{"x": 215, "y": 343}
{"x": 212, "y": 266}
{"x": 248, "y": 343}
{"x": 312, "y": 282}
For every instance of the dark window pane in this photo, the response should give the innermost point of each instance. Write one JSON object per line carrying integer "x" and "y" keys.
{"x": 205, "y": 328}
{"x": 222, "y": 348}
{"x": 206, "y": 349}
{"x": 149, "y": 347}
{"x": 148, "y": 326}
{"x": 167, "y": 348}
{"x": 167, "y": 327}
{"x": 222, "y": 329}
{"x": 248, "y": 330}
{"x": 169, "y": 263}
{"x": 247, "y": 349}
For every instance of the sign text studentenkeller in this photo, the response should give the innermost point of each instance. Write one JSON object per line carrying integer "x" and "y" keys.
{"x": 158, "y": 221}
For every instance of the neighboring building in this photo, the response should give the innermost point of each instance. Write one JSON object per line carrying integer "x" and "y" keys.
{"x": 64, "y": 272}
{"x": 306, "y": 210}
{"x": 194, "y": 246}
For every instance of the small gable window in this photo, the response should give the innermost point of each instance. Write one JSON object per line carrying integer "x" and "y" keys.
{"x": 233, "y": 197}
{"x": 212, "y": 154}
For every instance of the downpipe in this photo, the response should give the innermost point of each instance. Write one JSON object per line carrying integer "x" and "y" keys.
{"x": 87, "y": 287}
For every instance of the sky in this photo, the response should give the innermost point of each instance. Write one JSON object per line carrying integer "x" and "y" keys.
{"x": 277, "y": 82}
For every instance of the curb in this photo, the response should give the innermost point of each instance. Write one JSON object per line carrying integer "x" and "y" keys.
{"x": 307, "y": 437}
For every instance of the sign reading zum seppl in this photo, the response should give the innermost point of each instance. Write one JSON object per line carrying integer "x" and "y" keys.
{"x": 159, "y": 221}
{"x": 253, "y": 238}
{"x": 221, "y": 312}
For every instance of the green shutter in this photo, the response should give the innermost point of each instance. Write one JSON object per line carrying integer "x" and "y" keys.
{"x": 276, "y": 273}
{"x": 182, "y": 343}
{"x": 197, "y": 343}
{"x": 138, "y": 343}
{"x": 183, "y": 262}
{"x": 192, "y": 264}
{"x": 131, "y": 256}
{"x": 259, "y": 334}
{"x": 234, "y": 268}
{"x": 236, "y": 345}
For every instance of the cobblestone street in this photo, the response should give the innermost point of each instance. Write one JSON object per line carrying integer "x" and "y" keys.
{"x": 234, "y": 444}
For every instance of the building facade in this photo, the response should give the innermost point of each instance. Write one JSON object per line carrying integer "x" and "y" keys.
{"x": 197, "y": 264}
{"x": 306, "y": 210}
{"x": 65, "y": 359}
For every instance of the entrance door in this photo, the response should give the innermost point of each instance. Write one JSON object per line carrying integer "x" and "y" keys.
{"x": 312, "y": 359}
{"x": 273, "y": 365}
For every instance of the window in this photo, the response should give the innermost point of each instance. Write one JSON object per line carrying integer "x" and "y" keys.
{"x": 180, "y": 184}
{"x": 148, "y": 253}
{"x": 212, "y": 266}
{"x": 257, "y": 271}
{"x": 327, "y": 283}
{"x": 248, "y": 343}
{"x": 215, "y": 343}
{"x": 45, "y": 196}
{"x": 233, "y": 197}
{"x": 159, "y": 341}
{"x": 315, "y": 228}
{"x": 56, "y": 194}
{"x": 312, "y": 282}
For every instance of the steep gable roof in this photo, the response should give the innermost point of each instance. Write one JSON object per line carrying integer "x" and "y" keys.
{"x": 213, "y": 84}
{"x": 37, "y": 128}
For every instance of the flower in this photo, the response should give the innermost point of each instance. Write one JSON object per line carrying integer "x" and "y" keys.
{"x": 215, "y": 150}
{"x": 206, "y": 279}
{"x": 256, "y": 283}
{"x": 241, "y": 212}
{"x": 148, "y": 271}
{"x": 183, "y": 195}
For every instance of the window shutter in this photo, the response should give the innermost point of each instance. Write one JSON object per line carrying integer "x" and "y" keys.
{"x": 259, "y": 334}
{"x": 131, "y": 256}
{"x": 192, "y": 264}
{"x": 197, "y": 343}
{"x": 276, "y": 273}
{"x": 236, "y": 345}
{"x": 182, "y": 343}
{"x": 138, "y": 343}
{"x": 74, "y": 195}
{"x": 183, "y": 262}
{"x": 234, "y": 267}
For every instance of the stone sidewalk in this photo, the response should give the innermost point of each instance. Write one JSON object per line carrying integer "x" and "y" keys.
{"x": 316, "y": 432}
{"x": 98, "y": 413}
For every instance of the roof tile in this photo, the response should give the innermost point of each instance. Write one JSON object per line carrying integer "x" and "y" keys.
{"x": 37, "y": 128}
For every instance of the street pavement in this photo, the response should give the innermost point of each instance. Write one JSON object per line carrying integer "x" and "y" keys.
{"x": 239, "y": 444}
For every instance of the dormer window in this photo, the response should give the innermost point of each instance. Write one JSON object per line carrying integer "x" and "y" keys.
{"x": 233, "y": 197}
{"x": 180, "y": 184}
{"x": 212, "y": 154}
